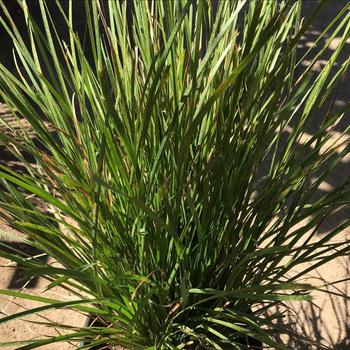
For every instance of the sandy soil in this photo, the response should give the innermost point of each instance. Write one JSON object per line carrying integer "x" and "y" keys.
{"x": 326, "y": 320}
{"x": 11, "y": 279}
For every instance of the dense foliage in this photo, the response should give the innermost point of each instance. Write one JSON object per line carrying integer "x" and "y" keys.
{"x": 179, "y": 189}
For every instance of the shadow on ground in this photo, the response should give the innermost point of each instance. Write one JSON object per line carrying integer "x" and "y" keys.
{"x": 310, "y": 321}
{"x": 19, "y": 278}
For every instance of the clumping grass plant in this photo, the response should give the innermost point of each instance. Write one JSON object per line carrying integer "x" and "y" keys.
{"x": 180, "y": 191}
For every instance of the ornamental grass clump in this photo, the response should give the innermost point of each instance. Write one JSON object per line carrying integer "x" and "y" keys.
{"x": 179, "y": 191}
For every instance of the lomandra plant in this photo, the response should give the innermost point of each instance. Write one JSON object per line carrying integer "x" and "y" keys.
{"x": 180, "y": 192}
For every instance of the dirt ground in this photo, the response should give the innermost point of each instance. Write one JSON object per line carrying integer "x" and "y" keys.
{"x": 326, "y": 320}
